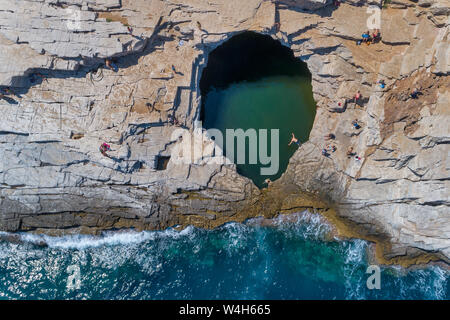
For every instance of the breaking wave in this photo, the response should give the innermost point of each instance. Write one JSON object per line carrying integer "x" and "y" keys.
{"x": 289, "y": 257}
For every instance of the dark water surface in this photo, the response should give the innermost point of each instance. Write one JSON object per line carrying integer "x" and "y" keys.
{"x": 271, "y": 103}
{"x": 288, "y": 260}
{"x": 254, "y": 82}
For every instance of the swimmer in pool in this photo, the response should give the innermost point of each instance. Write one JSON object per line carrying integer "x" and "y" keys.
{"x": 294, "y": 140}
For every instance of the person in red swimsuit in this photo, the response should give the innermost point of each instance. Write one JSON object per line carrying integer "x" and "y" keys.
{"x": 104, "y": 148}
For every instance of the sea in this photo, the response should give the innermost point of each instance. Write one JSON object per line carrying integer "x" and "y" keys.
{"x": 288, "y": 257}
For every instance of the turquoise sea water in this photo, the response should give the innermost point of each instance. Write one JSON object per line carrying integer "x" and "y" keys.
{"x": 289, "y": 259}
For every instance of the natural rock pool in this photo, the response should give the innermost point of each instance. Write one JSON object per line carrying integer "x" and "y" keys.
{"x": 254, "y": 82}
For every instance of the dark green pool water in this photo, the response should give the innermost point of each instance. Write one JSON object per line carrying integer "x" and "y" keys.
{"x": 282, "y": 102}
{"x": 253, "y": 82}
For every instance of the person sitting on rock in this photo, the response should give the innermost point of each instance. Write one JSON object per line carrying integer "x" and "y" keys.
{"x": 268, "y": 182}
{"x": 350, "y": 152}
{"x": 356, "y": 124}
{"x": 366, "y": 38}
{"x": 104, "y": 148}
{"x": 4, "y": 93}
{"x": 173, "y": 120}
{"x": 415, "y": 93}
{"x": 36, "y": 76}
{"x": 357, "y": 97}
{"x": 340, "y": 108}
{"x": 381, "y": 83}
{"x": 325, "y": 152}
{"x": 376, "y": 36}
{"x": 8, "y": 91}
{"x": 294, "y": 140}
{"x": 111, "y": 65}
{"x": 277, "y": 26}
{"x": 331, "y": 148}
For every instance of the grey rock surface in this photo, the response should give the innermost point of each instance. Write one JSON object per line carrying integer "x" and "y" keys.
{"x": 64, "y": 105}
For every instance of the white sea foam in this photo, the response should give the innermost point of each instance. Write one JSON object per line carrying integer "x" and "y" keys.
{"x": 313, "y": 225}
{"x": 439, "y": 288}
{"x": 310, "y": 225}
{"x": 115, "y": 250}
{"x": 354, "y": 254}
{"x": 81, "y": 242}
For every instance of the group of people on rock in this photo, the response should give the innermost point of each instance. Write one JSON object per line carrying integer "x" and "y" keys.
{"x": 331, "y": 148}
{"x": 368, "y": 38}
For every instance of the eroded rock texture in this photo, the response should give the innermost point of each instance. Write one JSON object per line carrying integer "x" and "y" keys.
{"x": 64, "y": 104}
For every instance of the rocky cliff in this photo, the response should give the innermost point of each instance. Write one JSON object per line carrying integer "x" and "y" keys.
{"x": 63, "y": 103}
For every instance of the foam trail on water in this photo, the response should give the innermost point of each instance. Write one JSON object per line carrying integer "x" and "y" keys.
{"x": 310, "y": 225}
{"x": 293, "y": 256}
{"x": 124, "y": 238}
{"x": 313, "y": 225}
{"x": 355, "y": 259}
{"x": 440, "y": 283}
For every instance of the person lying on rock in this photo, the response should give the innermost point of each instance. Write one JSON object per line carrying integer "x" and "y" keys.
{"x": 111, "y": 65}
{"x": 350, "y": 152}
{"x": 356, "y": 124}
{"x": 330, "y": 136}
{"x": 381, "y": 83}
{"x": 294, "y": 140}
{"x": 104, "y": 148}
